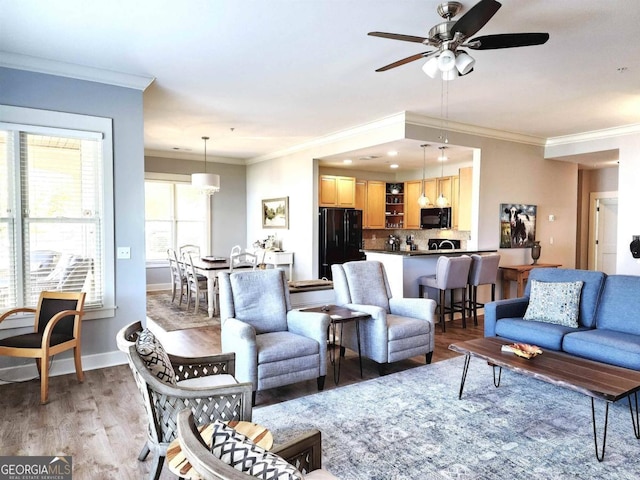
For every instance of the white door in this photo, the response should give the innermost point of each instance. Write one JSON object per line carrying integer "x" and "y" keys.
{"x": 603, "y": 246}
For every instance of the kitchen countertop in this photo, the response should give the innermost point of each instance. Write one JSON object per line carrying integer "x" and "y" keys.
{"x": 421, "y": 253}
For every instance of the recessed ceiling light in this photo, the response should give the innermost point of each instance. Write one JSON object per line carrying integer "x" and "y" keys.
{"x": 392, "y": 153}
{"x": 347, "y": 161}
{"x": 393, "y": 165}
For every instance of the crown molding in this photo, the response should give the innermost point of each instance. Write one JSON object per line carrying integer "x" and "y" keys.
{"x": 437, "y": 123}
{"x": 391, "y": 120}
{"x": 70, "y": 70}
{"x": 198, "y": 157}
{"x": 623, "y": 130}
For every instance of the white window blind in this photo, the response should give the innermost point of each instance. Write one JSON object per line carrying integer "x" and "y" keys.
{"x": 52, "y": 222}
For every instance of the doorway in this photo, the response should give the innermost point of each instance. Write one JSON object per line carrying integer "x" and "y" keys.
{"x": 603, "y": 231}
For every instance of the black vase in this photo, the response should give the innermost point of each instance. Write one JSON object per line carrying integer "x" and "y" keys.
{"x": 535, "y": 251}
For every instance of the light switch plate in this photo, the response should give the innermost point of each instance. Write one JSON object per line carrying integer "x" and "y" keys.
{"x": 124, "y": 253}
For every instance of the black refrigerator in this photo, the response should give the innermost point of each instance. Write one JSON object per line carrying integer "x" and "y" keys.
{"x": 340, "y": 237}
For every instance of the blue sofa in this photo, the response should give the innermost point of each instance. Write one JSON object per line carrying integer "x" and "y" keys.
{"x": 608, "y": 328}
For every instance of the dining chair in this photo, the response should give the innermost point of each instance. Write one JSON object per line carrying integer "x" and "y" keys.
{"x": 197, "y": 285}
{"x": 191, "y": 249}
{"x": 236, "y": 249}
{"x": 57, "y": 328}
{"x": 178, "y": 276}
{"x": 243, "y": 260}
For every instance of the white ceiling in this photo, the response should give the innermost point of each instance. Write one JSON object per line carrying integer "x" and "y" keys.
{"x": 283, "y": 72}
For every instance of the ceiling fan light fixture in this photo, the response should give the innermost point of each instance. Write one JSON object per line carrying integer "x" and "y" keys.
{"x": 446, "y": 61}
{"x": 464, "y": 63}
{"x": 431, "y": 67}
{"x": 450, "y": 75}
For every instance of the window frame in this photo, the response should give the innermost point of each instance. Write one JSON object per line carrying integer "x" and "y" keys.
{"x": 183, "y": 179}
{"x": 38, "y": 121}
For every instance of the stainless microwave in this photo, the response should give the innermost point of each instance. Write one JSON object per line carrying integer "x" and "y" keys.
{"x": 435, "y": 217}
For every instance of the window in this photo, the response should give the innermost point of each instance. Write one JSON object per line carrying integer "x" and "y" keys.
{"x": 175, "y": 214}
{"x": 54, "y": 221}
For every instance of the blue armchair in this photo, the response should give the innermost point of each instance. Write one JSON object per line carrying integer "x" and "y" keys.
{"x": 274, "y": 345}
{"x": 399, "y": 328}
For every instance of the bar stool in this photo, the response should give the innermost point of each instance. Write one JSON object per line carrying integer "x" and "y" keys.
{"x": 452, "y": 273}
{"x": 484, "y": 271}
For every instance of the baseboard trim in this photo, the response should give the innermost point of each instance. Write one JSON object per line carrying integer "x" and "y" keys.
{"x": 62, "y": 366}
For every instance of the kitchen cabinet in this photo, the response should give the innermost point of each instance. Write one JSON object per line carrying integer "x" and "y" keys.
{"x": 336, "y": 191}
{"x": 445, "y": 187}
{"x": 370, "y": 199}
{"x": 455, "y": 201}
{"x": 375, "y": 204}
{"x": 412, "y": 191}
{"x": 465, "y": 198}
{"x": 431, "y": 190}
{"x": 394, "y": 205}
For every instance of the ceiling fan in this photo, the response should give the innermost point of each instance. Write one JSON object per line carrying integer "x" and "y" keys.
{"x": 447, "y": 37}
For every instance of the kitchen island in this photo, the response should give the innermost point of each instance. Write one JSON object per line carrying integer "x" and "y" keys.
{"x": 405, "y": 267}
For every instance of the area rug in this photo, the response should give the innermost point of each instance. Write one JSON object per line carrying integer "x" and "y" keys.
{"x": 170, "y": 317}
{"x": 410, "y": 425}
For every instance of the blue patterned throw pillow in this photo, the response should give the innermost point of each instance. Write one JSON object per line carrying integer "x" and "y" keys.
{"x": 155, "y": 357}
{"x": 241, "y": 453}
{"x": 554, "y": 302}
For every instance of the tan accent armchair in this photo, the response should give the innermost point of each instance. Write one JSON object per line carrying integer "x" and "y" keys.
{"x": 57, "y": 328}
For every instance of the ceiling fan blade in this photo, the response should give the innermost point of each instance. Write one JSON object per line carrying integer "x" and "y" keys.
{"x": 508, "y": 40}
{"x": 398, "y": 36}
{"x": 476, "y": 18}
{"x": 412, "y": 58}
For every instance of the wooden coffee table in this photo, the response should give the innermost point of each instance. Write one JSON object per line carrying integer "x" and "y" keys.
{"x": 594, "y": 379}
{"x": 340, "y": 316}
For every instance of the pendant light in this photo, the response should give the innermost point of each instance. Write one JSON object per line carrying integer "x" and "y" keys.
{"x": 208, "y": 183}
{"x": 442, "y": 200}
{"x": 423, "y": 200}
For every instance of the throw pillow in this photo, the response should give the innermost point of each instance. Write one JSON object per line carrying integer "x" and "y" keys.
{"x": 155, "y": 357}
{"x": 241, "y": 453}
{"x": 554, "y": 302}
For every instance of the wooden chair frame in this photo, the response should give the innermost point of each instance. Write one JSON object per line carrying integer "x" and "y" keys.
{"x": 304, "y": 452}
{"x": 43, "y": 353}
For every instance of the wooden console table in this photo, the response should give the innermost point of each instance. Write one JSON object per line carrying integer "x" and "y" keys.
{"x": 519, "y": 274}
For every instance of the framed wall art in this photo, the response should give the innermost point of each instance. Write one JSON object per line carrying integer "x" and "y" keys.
{"x": 275, "y": 213}
{"x": 517, "y": 225}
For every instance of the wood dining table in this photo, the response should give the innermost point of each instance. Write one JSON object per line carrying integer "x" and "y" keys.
{"x": 209, "y": 267}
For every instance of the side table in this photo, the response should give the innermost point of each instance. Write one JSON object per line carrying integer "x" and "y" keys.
{"x": 340, "y": 316}
{"x": 520, "y": 275}
{"x": 179, "y": 464}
